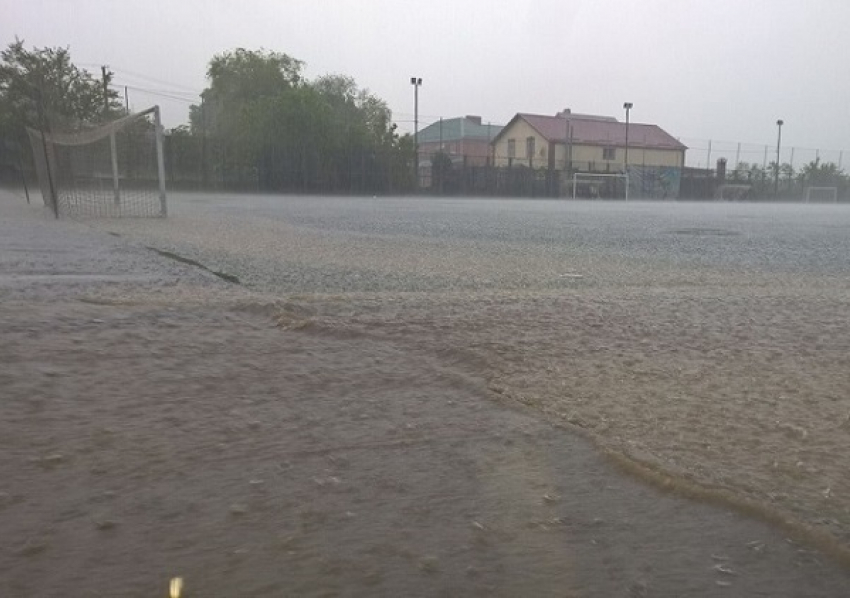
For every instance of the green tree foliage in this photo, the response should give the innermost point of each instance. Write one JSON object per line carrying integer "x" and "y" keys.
{"x": 46, "y": 78}
{"x": 323, "y": 135}
{"x": 823, "y": 174}
{"x": 239, "y": 78}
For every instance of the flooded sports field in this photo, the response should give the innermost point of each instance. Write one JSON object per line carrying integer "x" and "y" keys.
{"x": 423, "y": 396}
{"x": 710, "y": 339}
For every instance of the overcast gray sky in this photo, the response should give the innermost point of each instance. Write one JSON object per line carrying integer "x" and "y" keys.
{"x": 720, "y": 69}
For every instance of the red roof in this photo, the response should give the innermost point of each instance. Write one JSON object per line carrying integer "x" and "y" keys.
{"x": 593, "y": 131}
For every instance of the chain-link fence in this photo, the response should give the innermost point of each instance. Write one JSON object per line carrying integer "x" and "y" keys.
{"x": 713, "y": 170}
{"x": 738, "y": 170}
{"x": 704, "y": 153}
{"x": 204, "y": 162}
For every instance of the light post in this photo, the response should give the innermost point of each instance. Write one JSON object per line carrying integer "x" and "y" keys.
{"x": 779, "y": 124}
{"x": 627, "y": 106}
{"x": 416, "y": 82}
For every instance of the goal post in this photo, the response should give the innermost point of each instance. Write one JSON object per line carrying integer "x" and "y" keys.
{"x": 601, "y": 185}
{"x": 733, "y": 192}
{"x": 116, "y": 169}
{"x": 822, "y": 194}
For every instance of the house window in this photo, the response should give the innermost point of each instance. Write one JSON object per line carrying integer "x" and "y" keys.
{"x": 511, "y": 148}
{"x": 529, "y": 147}
{"x": 609, "y": 153}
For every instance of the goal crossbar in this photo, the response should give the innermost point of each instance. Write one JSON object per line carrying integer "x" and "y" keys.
{"x": 114, "y": 169}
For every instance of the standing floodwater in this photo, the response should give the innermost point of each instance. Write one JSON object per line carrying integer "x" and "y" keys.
{"x": 709, "y": 338}
{"x": 369, "y": 411}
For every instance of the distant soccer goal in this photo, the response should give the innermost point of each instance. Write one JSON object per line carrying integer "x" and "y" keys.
{"x": 822, "y": 194}
{"x": 600, "y": 185}
{"x": 113, "y": 170}
{"x": 733, "y": 192}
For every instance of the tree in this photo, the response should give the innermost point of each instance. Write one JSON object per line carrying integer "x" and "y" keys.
{"x": 325, "y": 135}
{"x": 824, "y": 174}
{"x": 238, "y": 78}
{"x": 817, "y": 173}
{"x": 45, "y": 79}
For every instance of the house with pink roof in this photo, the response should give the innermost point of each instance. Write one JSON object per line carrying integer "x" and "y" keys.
{"x": 569, "y": 143}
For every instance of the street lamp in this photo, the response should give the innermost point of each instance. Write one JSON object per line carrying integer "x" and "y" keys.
{"x": 416, "y": 82}
{"x": 627, "y": 106}
{"x": 779, "y": 124}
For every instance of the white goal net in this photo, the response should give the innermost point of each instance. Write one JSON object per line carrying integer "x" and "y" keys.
{"x": 113, "y": 170}
{"x": 733, "y": 192}
{"x": 600, "y": 186}
{"x": 822, "y": 194}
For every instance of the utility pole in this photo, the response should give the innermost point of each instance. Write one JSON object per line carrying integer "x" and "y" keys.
{"x": 126, "y": 100}
{"x": 107, "y": 76}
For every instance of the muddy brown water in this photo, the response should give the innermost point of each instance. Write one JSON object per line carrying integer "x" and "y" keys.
{"x": 255, "y": 456}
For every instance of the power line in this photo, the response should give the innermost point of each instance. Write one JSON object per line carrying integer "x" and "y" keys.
{"x": 136, "y": 75}
{"x": 173, "y": 92}
{"x": 157, "y": 93}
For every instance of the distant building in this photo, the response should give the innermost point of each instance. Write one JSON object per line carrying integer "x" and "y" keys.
{"x": 463, "y": 139}
{"x": 585, "y": 143}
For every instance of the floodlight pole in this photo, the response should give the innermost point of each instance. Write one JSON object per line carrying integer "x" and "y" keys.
{"x": 107, "y": 76}
{"x": 628, "y": 107}
{"x": 566, "y": 146}
{"x": 779, "y": 124}
{"x": 416, "y": 82}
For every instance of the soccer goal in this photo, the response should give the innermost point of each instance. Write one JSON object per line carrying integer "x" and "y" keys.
{"x": 601, "y": 185}
{"x": 733, "y": 192}
{"x": 112, "y": 170}
{"x": 822, "y": 194}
